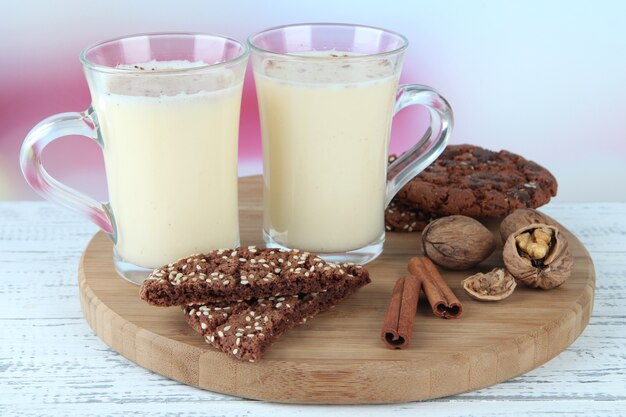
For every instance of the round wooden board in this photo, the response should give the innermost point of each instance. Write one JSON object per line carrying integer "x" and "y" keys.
{"x": 337, "y": 357}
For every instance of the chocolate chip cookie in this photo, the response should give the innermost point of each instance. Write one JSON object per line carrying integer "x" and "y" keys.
{"x": 477, "y": 182}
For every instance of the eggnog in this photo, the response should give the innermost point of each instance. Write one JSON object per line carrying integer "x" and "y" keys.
{"x": 325, "y": 126}
{"x": 170, "y": 150}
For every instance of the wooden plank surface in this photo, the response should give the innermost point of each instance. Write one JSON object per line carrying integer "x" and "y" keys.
{"x": 52, "y": 364}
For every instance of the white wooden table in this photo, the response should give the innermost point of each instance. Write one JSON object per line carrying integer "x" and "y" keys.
{"x": 52, "y": 364}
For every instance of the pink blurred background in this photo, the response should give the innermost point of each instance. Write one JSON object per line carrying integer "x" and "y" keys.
{"x": 543, "y": 79}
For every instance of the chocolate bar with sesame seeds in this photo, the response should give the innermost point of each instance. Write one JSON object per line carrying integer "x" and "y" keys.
{"x": 228, "y": 275}
{"x": 400, "y": 217}
{"x": 245, "y": 330}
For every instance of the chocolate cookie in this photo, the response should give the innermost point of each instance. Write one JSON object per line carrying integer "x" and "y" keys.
{"x": 477, "y": 182}
{"x": 228, "y": 275}
{"x": 246, "y": 329}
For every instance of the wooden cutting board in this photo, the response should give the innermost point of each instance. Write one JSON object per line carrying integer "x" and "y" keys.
{"x": 338, "y": 357}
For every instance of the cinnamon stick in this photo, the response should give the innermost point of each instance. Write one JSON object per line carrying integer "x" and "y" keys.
{"x": 441, "y": 298}
{"x": 398, "y": 324}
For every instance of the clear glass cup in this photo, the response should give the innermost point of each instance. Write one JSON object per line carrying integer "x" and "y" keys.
{"x": 165, "y": 111}
{"x": 327, "y": 94}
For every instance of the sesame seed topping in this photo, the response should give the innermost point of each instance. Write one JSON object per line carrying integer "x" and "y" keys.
{"x": 193, "y": 310}
{"x": 235, "y": 351}
{"x": 278, "y": 305}
{"x": 203, "y": 326}
{"x": 220, "y": 333}
{"x": 226, "y": 282}
{"x": 259, "y": 328}
{"x": 238, "y": 341}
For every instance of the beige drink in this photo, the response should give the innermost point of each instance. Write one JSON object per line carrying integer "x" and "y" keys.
{"x": 170, "y": 149}
{"x": 325, "y": 128}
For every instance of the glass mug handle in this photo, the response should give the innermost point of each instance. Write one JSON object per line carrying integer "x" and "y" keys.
{"x": 48, "y": 130}
{"x": 430, "y": 146}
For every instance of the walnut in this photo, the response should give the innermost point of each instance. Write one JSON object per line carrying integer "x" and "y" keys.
{"x": 538, "y": 256}
{"x": 522, "y": 217}
{"x": 535, "y": 243}
{"x": 457, "y": 242}
{"x": 491, "y": 286}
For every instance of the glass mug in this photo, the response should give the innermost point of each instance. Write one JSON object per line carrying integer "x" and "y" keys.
{"x": 165, "y": 110}
{"x": 327, "y": 94}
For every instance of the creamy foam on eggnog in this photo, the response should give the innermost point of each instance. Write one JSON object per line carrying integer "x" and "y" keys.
{"x": 170, "y": 149}
{"x": 325, "y": 126}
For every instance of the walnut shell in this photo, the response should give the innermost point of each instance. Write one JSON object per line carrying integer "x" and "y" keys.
{"x": 495, "y": 285}
{"x": 457, "y": 242}
{"x": 520, "y": 218}
{"x": 538, "y": 255}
